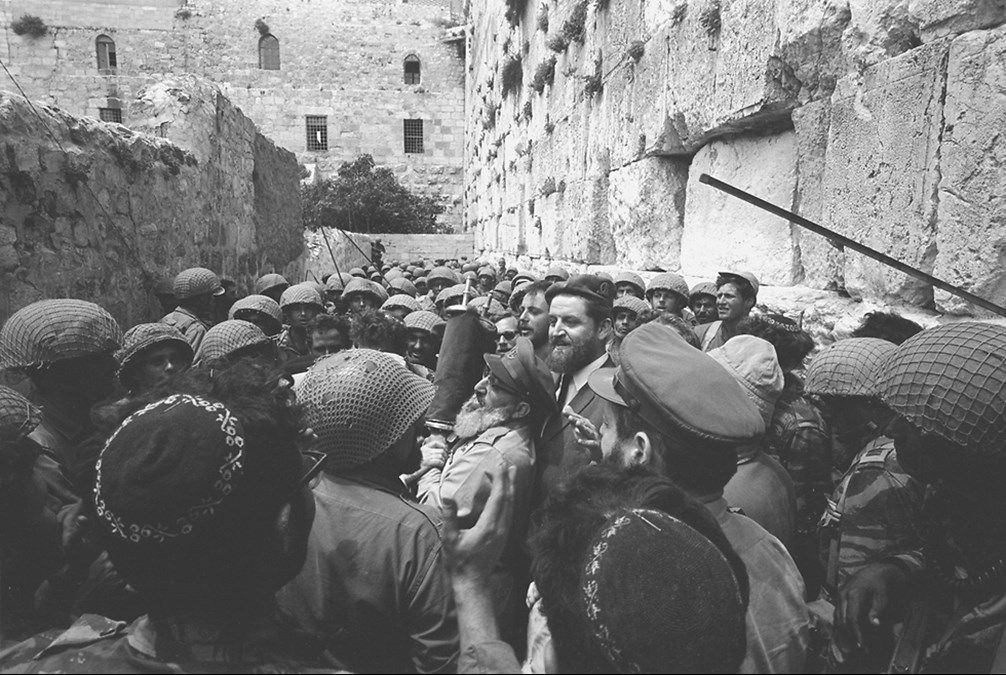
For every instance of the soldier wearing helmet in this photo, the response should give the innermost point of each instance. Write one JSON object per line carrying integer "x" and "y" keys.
{"x": 271, "y": 285}
{"x": 736, "y": 294}
{"x": 194, "y": 289}
{"x": 300, "y": 304}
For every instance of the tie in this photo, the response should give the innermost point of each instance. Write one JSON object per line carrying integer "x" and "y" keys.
{"x": 560, "y": 397}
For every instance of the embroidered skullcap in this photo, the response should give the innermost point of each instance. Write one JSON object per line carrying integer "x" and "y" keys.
{"x": 403, "y": 285}
{"x": 668, "y": 281}
{"x": 702, "y": 288}
{"x": 661, "y": 597}
{"x": 18, "y": 417}
{"x": 262, "y": 304}
{"x": 405, "y": 301}
{"x": 627, "y": 277}
{"x": 227, "y": 337}
{"x": 300, "y": 294}
{"x": 359, "y": 403}
{"x": 557, "y": 273}
{"x": 169, "y": 470}
{"x": 366, "y": 287}
{"x": 848, "y": 368}
{"x": 951, "y": 381}
{"x": 142, "y": 336}
{"x": 754, "y": 364}
{"x": 496, "y": 308}
{"x": 54, "y": 330}
{"x": 631, "y": 303}
{"x": 444, "y": 273}
{"x": 196, "y": 281}
{"x": 423, "y": 320}
{"x": 269, "y": 281}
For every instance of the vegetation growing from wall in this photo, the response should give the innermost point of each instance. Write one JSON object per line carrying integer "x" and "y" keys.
{"x": 556, "y": 42}
{"x": 574, "y": 25}
{"x": 29, "y": 25}
{"x": 515, "y": 10}
{"x": 511, "y": 74}
{"x": 261, "y": 26}
{"x": 542, "y": 19}
{"x": 544, "y": 74}
{"x": 362, "y": 198}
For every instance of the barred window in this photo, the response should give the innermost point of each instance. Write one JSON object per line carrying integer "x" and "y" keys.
{"x": 268, "y": 52}
{"x": 413, "y": 136}
{"x": 412, "y": 69}
{"x": 106, "y": 52}
{"x": 110, "y": 115}
{"x": 317, "y": 132}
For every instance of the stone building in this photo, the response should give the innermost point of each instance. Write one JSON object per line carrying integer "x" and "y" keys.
{"x": 590, "y": 122}
{"x": 328, "y": 80}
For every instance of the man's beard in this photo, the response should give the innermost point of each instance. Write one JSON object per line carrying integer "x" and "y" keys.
{"x": 474, "y": 418}
{"x": 572, "y": 357}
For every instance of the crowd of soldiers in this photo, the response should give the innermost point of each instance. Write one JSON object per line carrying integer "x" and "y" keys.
{"x": 455, "y": 466}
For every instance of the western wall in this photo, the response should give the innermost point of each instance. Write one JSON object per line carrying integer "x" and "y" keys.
{"x": 589, "y": 124}
{"x": 98, "y": 211}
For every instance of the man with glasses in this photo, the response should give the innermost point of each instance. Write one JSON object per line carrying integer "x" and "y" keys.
{"x": 506, "y": 334}
{"x": 495, "y": 429}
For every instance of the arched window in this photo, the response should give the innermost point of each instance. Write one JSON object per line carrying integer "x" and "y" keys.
{"x": 412, "y": 69}
{"x": 106, "y": 52}
{"x": 268, "y": 52}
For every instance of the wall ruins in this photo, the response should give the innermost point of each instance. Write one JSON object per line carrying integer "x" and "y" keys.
{"x": 589, "y": 124}
{"x": 98, "y": 211}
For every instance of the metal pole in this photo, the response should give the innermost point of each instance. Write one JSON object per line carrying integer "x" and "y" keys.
{"x": 843, "y": 241}
{"x": 332, "y": 255}
{"x": 367, "y": 257}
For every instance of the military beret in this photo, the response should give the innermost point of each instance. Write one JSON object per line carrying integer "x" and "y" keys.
{"x": 587, "y": 286}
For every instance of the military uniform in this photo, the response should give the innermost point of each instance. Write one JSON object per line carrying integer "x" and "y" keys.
{"x": 190, "y": 325}
{"x": 96, "y": 644}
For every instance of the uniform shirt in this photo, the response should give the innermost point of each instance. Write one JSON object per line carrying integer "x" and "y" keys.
{"x": 777, "y": 618}
{"x": 373, "y": 584}
{"x": 872, "y": 513}
{"x": 710, "y": 335}
{"x": 191, "y": 326}
{"x": 763, "y": 490}
{"x": 95, "y": 644}
{"x": 293, "y": 345}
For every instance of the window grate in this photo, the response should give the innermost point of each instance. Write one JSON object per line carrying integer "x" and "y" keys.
{"x": 110, "y": 115}
{"x": 317, "y": 132}
{"x": 413, "y": 133}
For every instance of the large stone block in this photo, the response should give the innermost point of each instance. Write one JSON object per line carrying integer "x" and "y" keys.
{"x": 881, "y": 169}
{"x": 646, "y": 203}
{"x": 971, "y": 235}
{"x": 942, "y": 18}
{"x": 722, "y": 232}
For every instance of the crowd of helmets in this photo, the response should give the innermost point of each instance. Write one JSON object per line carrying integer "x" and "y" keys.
{"x": 862, "y": 526}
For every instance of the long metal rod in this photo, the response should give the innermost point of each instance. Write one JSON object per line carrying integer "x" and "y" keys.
{"x": 332, "y": 255}
{"x": 365, "y": 256}
{"x": 844, "y": 241}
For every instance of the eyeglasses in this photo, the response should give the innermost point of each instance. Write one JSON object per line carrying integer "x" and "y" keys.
{"x": 314, "y": 462}
{"x": 508, "y": 335}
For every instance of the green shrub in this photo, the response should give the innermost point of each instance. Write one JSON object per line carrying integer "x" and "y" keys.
{"x": 544, "y": 74}
{"x": 542, "y": 18}
{"x": 574, "y": 25}
{"x": 557, "y": 42}
{"x": 261, "y": 26}
{"x": 636, "y": 50}
{"x": 511, "y": 74}
{"x": 515, "y": 10}
{"x": 29, "y": 25}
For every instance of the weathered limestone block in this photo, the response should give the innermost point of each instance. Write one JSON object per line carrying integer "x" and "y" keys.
{"x": 646, "y": 203}
{"x": 942, "y": 18}
{"x": 810, "y": 42}
{"x": 820, "y": 263}
{"x": 881, "y": 169}
{"x": 879, "y": 29}
{"x": 971, "y": 235}
{"x": 722, "y": 232}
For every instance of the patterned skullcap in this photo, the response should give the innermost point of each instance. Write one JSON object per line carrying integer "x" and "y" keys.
{"x": 366, "y": 287}
{"x": 168, "y": 470}
{"x": 268, "y": 281}
{"x": 702, "y": 288}
{"x": 256, "y": 303}
{"x": 403, "y": 285}
{"x": 848, "y": 368}
{"x": 423, "y": 320}
{"x": 668, "y": 281}
{"x": 753, "y": 363}
{"x": 301, "y": 294}
{"x": 444, "y": 273}
{"x": 227, "y": 337}
{"x": 661, "y": 597}
{"x": 145, "y": 335}
{"x": 631, "y": 303}
{"x": 406, "y": 301}
{"x": 196, "y": 281}
{"x": 18, "y": 417}
{"x": 951, "y": 381}
{"x": 359, "y": 403}
{"x": 54, "y": 330}
{"x": 627, "y": 277}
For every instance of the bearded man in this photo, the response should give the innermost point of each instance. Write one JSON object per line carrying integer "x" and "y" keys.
{"x": 493, "y": 431}
{"x": 579, "y": 329}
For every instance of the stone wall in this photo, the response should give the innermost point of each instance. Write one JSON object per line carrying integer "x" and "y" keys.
{"x": 339, "y": 58}
{"x": 98, "y": 211}
{"x": 880, "y": 119}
